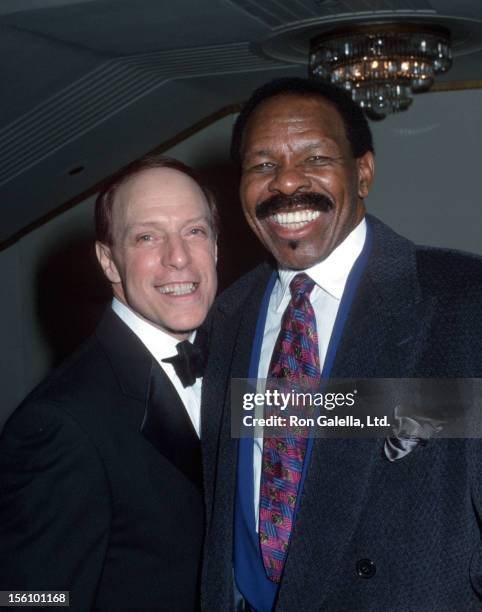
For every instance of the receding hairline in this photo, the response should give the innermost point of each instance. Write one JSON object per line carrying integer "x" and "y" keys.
{"x": 155, "y": 170}
{"x": 115, "y": 192}
{"x": 132, "y": 178}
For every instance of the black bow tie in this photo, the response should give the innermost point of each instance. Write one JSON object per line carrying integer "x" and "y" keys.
{"x": 189, "y": 362}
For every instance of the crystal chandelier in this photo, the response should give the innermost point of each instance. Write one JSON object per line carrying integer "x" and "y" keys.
{"x": 382, "y": 65}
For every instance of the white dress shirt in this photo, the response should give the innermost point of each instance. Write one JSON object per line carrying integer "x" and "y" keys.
{"x": 330, "y": 276}
{"x": 161, "y": 345}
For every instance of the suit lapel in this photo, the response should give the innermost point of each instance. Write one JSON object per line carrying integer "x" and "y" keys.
{"x": 382, "y": 340}
{"x": 230, "y": 340}
{"x": 389, "y": 320}
{"x": 163, "y": 419}
{"x": 168, "y": 427}
{"x": 383, "y": 337}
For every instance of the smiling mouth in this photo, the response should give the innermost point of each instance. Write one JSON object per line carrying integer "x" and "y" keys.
{"x": 295, "y": 219}
{"x": 178, "y": 288}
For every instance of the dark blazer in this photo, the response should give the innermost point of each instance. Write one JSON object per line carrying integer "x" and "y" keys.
{"x": 100, "y": 476}
{"x": 370, "y": 535}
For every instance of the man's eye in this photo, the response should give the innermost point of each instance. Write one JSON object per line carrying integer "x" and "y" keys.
{"x": 198, "y": 231}
{"x": 263, "y": 167}
{"x": 144, "y": 238}
{"x": 318, "y": 159}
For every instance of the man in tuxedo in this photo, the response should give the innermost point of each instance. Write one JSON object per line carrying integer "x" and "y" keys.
{"x": 340, "y": 525}
{"x": 100, "y": 467}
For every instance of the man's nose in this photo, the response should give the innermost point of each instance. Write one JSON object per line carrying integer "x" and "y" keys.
{"x": 288, "y": 180}
{"x": 176, "y": 253}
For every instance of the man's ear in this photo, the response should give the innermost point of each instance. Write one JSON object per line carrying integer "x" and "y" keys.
{"x": 104, "y": 257}
{"x": 366, "y": 172}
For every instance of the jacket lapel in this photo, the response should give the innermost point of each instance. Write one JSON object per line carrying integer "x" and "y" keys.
{"x": 383, "y": 337}
{"x": 389, "y": 320}
{"x": 168, "y": 427}
{"x": 230, "y": 340}
{"x": 163, "y": 419}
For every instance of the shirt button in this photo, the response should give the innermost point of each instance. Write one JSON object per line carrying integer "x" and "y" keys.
{"x": 366, "y": 568}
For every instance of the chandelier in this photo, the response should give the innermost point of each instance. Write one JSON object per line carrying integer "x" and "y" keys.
{"x": 382, "y": 65}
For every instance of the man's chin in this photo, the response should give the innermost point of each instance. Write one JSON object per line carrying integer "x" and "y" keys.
{"x": 185, "y": 327}
{"x": 295, "y": 256}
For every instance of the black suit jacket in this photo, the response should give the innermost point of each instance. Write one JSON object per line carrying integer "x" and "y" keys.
{"x": 416, "y": 313}
{"x": 100, "y": 476}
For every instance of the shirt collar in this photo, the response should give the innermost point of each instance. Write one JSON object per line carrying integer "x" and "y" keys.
{"x": 158, "y": 342}
{"x": 332, "y": 273}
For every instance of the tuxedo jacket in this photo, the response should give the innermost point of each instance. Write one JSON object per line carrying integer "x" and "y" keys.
{"x": 101, "y": 485}
{"x": 370, "y": 535}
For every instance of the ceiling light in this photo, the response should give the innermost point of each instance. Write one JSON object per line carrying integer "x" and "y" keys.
{"x": 382, "y": 65}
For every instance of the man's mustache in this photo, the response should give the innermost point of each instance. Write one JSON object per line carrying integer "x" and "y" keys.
{"x": 309, "y": 199}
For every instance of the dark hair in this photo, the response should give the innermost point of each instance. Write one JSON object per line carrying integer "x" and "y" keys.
{"x": 105, "y": 200}
{"x": 356, "y": 125}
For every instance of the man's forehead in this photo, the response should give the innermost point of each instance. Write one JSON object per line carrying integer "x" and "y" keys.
{"x": 159, "y": 189}
{"x": 294, "y": 112}
{"x": 295, "y": 103}
{"x": 156, "y": 182}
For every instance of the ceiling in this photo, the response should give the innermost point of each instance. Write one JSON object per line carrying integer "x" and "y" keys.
{"x": 90, "y": 85}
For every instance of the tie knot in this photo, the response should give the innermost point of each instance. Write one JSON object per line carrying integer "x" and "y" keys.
{"x": 188, "y": 363}
{"x": 301, "y": 285}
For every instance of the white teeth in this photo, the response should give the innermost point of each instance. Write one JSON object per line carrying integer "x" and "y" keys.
{"x": 178, "y": 288}
{"x": 296, "y": 219}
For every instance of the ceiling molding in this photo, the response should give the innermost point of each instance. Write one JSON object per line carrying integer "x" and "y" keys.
{"x": 105, "y": 91}
{"x": 94, "y": 189}
{"x": 278, "y": 13}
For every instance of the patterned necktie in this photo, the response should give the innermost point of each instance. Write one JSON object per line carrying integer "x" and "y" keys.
{"x": 296, "y": 359}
